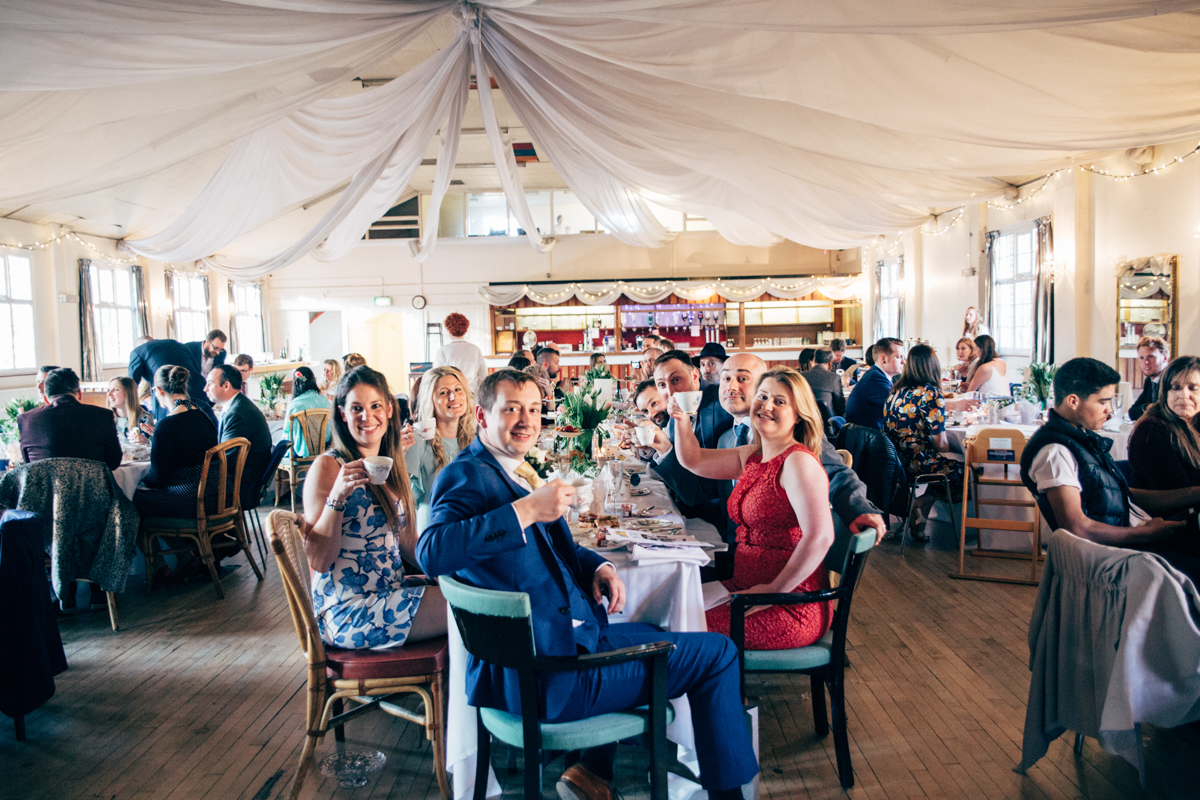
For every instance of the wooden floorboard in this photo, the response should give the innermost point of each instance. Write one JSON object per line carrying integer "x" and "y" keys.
{"x": 203, "y": 699}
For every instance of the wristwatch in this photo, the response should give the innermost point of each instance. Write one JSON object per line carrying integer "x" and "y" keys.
{"x": 335, "y": 505}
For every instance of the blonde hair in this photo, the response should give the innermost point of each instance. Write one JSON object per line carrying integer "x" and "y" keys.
{"x": 809, "y": 428}
{"x": 132, "y": 408}
{"x": 331, "y": 384}
{"x": 466, "y": 423}
{"x": 968, "y": 328}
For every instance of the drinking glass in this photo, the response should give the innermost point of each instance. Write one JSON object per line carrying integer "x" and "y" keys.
{"x": 1118, "y": 402}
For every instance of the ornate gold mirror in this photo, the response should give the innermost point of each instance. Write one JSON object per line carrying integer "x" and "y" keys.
{"x": 1147, "y": 289}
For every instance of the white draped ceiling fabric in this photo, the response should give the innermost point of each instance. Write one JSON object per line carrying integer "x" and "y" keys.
{"x": 823, "y": 123}
{"x": 606, "y": 293}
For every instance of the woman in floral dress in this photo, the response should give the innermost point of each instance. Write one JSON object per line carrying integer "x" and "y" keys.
{"x": 357, "y": 532}
{"x": 781, "y": 505}
{"x": 914, "y": 418}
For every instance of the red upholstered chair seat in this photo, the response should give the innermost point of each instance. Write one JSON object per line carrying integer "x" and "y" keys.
{"x": 418, "y": 658}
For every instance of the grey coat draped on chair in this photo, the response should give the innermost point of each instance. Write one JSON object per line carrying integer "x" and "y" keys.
{"x": 1114, "y": 642}
{"x": 90, "y": 526}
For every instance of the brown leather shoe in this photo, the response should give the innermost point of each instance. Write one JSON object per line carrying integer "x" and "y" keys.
{"x": 580, "y": 783}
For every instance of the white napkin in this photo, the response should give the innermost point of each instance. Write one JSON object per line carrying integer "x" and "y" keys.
{"x": 715, "y": 594}
{"x": 649, "y": 554}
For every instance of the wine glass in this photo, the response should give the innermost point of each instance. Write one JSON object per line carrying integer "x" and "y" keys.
{"x": 1118, "y": 402}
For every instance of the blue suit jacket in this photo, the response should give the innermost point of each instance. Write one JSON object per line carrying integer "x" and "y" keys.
{"x": 146, "y": 359}
{"x": 691, "y": 491}
{"x": 865, "y": 406}
{"x": 473, "y": 535}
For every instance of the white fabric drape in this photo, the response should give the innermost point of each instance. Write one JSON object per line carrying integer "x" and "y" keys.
{"x": 822, "y": 123}
{"x": 605, "y": 293}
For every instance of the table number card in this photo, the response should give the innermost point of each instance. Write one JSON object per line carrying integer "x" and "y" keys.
{"x": 1000, "y": 449}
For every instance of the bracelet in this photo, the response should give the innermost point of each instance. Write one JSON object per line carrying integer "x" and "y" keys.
{"x": 335, "y": 505}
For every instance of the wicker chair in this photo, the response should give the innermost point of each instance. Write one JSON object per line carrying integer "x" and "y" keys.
{"x": 225, "y": 517}
{"x": 335, "y": 676}
{"x": 311, "y": 424}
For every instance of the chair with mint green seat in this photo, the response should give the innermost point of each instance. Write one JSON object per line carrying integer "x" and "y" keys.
{"x": 497, "y": 627}
{"x": 824, "y": 661}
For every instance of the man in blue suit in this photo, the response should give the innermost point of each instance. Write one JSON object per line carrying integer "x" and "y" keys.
{"x": 865, "y": 406}
{"x": 210, "y": 352}
{"x": 696, "y": 496}
{"x": 147, "y": 358}
{"x": 493, "y": 525}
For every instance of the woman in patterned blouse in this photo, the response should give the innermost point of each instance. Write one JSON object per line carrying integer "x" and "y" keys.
{"x": 915, "y": 421}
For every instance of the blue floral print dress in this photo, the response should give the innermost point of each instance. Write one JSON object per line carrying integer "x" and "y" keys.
{"x": 363, "y": 601}
{"x": 911, "y": 418}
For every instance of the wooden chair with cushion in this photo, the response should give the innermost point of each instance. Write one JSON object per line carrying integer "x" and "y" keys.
{"x": 497, "y": 627}
{"x": 370, "y": 678}
{"x": 997, "y": 446}
{"x": 824, "y": 661}
{"x": 225, "y": 516}
{"x": 311, "y": 424}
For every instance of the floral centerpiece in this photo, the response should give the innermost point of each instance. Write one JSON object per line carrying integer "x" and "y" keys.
{"x": 269, "y": 387}
{"x": 539, "y": 459}
{"x": 584, "y": 411}
{"x": 1038, "y": 386}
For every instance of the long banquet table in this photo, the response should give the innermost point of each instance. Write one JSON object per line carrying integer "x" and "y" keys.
{"x": 663, "y": 594}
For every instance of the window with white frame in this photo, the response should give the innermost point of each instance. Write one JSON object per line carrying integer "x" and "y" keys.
{"x": 891, "y": 295}
{"x": 1014, "y": 278}
{"x": 114, "y": 304}
{"x": 191, "y": 306}
{"x": 247, "y": 307}
{"x": 17, "y": 350}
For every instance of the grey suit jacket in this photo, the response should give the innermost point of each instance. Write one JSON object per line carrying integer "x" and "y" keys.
{"x": 827, "y": 389}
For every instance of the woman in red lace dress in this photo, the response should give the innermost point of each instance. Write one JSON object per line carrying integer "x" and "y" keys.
{"x": 781, "y": 506}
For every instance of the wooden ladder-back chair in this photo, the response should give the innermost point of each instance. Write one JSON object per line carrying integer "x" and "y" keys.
{"x": 824, "y": 661}
{"x": 335, "y": 676}
{"x": 225, "y": 516}
{"x": 996, "y": 446}
{"x": 311, "y": 424}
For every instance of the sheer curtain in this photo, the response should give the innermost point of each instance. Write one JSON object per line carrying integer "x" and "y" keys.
{"x": 143, "y": 300}
{"x": 88, "y": 340}
{"x": 1043, "y": 297}
{"x": 989, "y": 254}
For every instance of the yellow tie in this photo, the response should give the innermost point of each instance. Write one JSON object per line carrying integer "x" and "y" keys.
{"x": 525, "y": 470}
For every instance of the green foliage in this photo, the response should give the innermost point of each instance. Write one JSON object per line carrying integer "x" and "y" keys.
{"x": 269, "y": 387}
{"x": 596, "y": 372}
{"x": 1039, "y": 382}
{"x": 12, "y": 409}
{"x": 582, "y": 409}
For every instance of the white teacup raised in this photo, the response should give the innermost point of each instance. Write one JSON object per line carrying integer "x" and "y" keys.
{"x": 689, "y": 402}
{"x": 378, "y": 468}
{"x": 426, "y": 428}
{"x": 583, "y": 492}
{"x": 645, "y": 434}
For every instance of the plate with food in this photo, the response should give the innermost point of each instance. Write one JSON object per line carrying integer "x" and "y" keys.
{"x": 568, "y": 431}
{"x": 651, "y": 524}
{"x": 640, "y": 491}
{"x": 652, "y": 511}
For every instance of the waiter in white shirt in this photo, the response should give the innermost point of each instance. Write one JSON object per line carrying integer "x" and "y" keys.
{"x": 460, "y": 353}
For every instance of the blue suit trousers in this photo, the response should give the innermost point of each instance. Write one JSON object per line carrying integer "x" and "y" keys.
{"x": 704, "y": 666}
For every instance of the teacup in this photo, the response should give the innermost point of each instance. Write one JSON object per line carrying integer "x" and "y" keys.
{"x": 583, "y": 492}
{"x": 645, "y": 435}
{"x": 426, "y": 429}
{"x": 378, "y": 468}
{"x": 689, "y": 402}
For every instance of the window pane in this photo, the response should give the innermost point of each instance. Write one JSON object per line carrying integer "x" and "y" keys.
{"x": 121, "y": 286}
{"x": 24, "y": 350}
{"x": 106, "y": 286}
{"x": 6, "y": 337}
{"x": 20, "y": 278}
{"x": 487, "y": 214}
{"x": 569, "y": 214}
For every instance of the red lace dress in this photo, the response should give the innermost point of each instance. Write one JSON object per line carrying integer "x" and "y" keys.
{"x": 767, "y": 535}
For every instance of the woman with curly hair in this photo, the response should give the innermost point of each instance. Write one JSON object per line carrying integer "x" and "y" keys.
{"x": 460, "y": 353}
{"x": 444, "y": 397}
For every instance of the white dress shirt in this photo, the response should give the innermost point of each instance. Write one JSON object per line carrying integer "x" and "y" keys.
{"x": 465, "y": 357}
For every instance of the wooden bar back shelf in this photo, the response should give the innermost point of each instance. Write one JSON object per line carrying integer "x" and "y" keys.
{"x": 978, "y": 450}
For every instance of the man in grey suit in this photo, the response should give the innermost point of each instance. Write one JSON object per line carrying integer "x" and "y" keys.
{"x": 826, "y": 385}
{"x": 240, "y": 417}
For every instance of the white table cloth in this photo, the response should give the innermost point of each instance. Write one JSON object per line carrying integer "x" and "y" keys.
{"x": 129, "y": 475}
{"x": 667, "y": 595}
